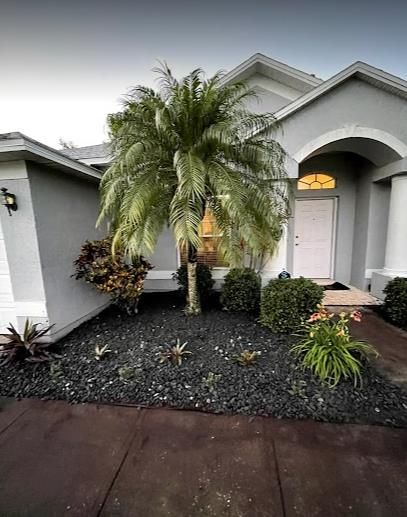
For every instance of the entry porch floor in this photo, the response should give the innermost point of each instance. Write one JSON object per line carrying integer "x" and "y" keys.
{"x": 352, "y": 297}
{"x": 99, "y": 460}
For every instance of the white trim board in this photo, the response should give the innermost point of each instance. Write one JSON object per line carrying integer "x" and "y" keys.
{"x": 30, "y": 309}
{"x": 157, "y": 274}
{"x": 369, "y": 272}
{"x": 351, "y": 131}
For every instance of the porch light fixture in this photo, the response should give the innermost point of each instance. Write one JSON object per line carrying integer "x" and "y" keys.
{"x": 284, "y": 275}
{"x": 8, "y": 200}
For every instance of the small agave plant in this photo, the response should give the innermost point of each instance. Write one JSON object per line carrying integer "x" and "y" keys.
{"x": 247, "y": 357}
{"x": 175, "y": 354}
{"x": 26, "y": 346}
{"x": 101, "y": 352}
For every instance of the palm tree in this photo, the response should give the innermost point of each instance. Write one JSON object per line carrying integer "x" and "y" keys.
{"x": 188, "y": 147}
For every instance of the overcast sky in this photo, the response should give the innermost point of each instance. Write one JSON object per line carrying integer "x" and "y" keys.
{"x": 64, "y": 65}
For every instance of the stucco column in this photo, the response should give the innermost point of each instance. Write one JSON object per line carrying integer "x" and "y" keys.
{"x": 395, "y": 263}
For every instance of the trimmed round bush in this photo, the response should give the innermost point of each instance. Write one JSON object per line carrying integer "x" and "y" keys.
{"x": 241, "y": 290}
{"x": 204, "y": 279}
{"x": 395, "y": 302}
{"x": 286, "y": 303}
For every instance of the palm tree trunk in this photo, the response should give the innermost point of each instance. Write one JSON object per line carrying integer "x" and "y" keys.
{"x": 193, "y": 301}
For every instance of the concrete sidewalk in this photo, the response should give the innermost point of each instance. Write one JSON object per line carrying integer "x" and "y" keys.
{"x": 89, "y": 460}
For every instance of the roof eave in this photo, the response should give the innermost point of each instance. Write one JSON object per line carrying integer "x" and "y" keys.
{"x": 16, "y": 145}
{"x": 267, "y": 61}
{"x": 357, "y": 69}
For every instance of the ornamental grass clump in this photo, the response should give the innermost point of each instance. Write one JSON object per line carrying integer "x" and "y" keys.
{"x": 114, "y": 275}
{"x": 328, "y": 350}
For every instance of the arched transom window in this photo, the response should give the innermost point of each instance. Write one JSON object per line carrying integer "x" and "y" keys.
{"x": 316, "y": 181}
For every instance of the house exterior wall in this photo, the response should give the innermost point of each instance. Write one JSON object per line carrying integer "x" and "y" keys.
{"x": 271, "y": 95}
{"x": 361, "y": 227}
{"x": 377, "y": 229}
{"x": 165, "y": 260}
{"x": 283, "y": 91}
{"x": 65, "y": 210}
{"x": 352, "y": 109}
{"x": 353, "y": 103}
{"x": 369, "y": 244}
{"x": 265, "y": 102}
{"x": 22, "y": 248}
{"x": 332, "y": 133}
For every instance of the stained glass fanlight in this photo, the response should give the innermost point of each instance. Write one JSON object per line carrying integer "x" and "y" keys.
{"x": 316, "y": 181}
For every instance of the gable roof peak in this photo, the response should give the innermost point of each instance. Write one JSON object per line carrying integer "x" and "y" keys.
{"x": 277, "y": 70}
{"x": 359, "y": 70}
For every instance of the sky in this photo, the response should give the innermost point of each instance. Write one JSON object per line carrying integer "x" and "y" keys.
{"x": 65, "y": 64}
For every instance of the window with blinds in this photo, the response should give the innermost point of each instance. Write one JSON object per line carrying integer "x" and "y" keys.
{"x": 210, "y": 235}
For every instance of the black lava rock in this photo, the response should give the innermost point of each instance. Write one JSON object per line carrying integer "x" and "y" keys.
{"x": 209, "y": 379}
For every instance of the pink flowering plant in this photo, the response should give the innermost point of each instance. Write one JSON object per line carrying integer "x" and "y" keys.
{"x": 329, "y": 351}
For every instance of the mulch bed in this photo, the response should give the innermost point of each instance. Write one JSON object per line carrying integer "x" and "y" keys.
{"x": 210, "y": 379}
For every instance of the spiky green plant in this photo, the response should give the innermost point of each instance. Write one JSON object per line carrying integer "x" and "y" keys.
{"x": 26, "y": 346}
{"x": 247, "y": 357}
{"x": 175, "y": 354}
{"x": 191, "y": 146}
{"x": 329, "y": 351}
{"x": 101, "y": 352}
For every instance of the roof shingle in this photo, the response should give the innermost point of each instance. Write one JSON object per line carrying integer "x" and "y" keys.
{"x": 87, "y": 153}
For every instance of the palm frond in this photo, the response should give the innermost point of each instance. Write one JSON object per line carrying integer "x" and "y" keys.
{"x": 190, "y": 145}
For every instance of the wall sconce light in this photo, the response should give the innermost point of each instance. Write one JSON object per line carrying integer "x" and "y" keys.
{"x": 8, "y": 200}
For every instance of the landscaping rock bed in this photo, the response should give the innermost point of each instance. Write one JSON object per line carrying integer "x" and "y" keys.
{"x": 210, "y": 379}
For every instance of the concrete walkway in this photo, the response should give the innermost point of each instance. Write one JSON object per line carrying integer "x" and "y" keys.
{"x": 389, "y": 341}
{"x": 88, "y": 460}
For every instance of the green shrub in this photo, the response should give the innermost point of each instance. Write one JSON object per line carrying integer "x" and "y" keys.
{"x": 327, "y": 348}
{"x": 395, "y": 302}
{"x": 204, "y": 280}
{"x": 115, "y": 276}
{"x": 241, "y": 290}
{"x": 286, "y": 303}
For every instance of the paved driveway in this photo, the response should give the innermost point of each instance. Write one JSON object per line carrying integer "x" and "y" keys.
{"x": 88, "y": 460}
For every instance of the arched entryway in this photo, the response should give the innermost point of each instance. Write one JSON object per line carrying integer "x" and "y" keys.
{"x": 340, "y": 209}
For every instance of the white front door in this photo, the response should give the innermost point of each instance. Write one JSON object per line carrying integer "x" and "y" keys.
{"x": 313, "y": 237}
